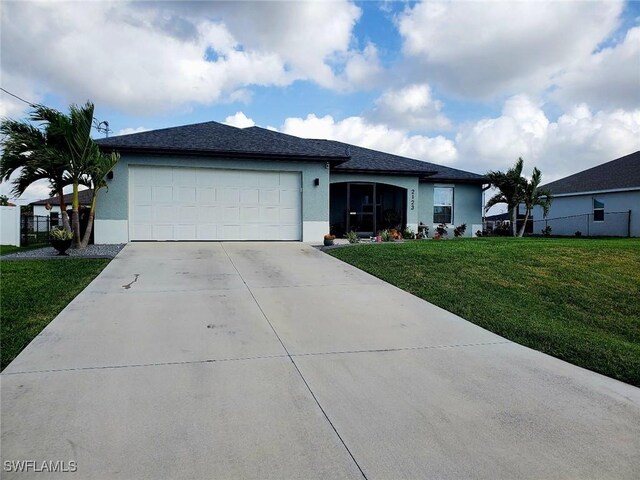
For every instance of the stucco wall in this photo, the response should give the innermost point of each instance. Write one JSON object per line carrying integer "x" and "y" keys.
{"x": 112, "y": 210}
{"x": 467, "y": 206}
{"x": 573, "y": 213}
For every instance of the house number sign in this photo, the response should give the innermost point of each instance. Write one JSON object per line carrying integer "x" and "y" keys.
{"x": 413, "y": 199}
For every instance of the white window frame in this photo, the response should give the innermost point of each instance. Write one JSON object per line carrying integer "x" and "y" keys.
{"x": 448, "y": 187}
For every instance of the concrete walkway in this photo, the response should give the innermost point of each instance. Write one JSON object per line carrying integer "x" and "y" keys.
{"x": 274, "y": 360}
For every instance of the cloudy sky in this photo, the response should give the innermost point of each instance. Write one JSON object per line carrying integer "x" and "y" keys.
{"x": 472, "y": 85}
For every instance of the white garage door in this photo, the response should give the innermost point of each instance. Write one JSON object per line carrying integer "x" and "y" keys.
{"x": 176, "y": 203}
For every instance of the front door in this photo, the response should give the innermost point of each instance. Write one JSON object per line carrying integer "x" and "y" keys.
{"x": 362, "y": 208}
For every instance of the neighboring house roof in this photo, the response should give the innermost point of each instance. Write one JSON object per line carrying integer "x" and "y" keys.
{"x": 498, "y": 217}
{"x": 83, "y": 195}
{"x": 622, "y": 173}
{"x": 212, "y": 138}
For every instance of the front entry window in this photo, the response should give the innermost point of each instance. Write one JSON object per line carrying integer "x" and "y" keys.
{"x": 443, "y": 205}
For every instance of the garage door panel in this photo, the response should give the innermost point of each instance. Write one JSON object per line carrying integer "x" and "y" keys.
{"x": 185, "y": 232}
{"x": 166, "y": 214}
{"x": 208, "y": 214}
{"x": 206, "y": 231}
{"x": 161, "y": 176}
{"x": 184, "y": 203}
{"x": 289, "y": 215}
{"x": 289, "y": 181}
{"x": 206, "y": 196}
{"x": 250, "y": 214}
{"x": 186, "y": 195}
{"x": 188, "y": 214}
{"x": 229, "y": 196}
{"x": 161, "y": 194}
{"x": 142, "y": 194}
{"x": 249, "y": 196}
{"x": 289, "y": 197}
{"x": 269, "y": 197}
{"x": 269, "y": 179}
{"x": 162, "y": 232}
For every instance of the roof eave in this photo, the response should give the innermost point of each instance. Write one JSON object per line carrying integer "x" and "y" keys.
{"x": 336, "y": 160}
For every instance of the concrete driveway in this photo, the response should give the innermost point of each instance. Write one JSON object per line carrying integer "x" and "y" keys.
{"x": 274, "y": 360}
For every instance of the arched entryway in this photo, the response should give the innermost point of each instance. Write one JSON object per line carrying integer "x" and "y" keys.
{"x": 366, "y": 208}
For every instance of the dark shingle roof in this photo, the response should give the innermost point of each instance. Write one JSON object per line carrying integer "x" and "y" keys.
{"x": 621, "y": 173}
{"x": 83, "y": 195}
{"x": 214, "y": 138}
{"x": 367, "y": 160}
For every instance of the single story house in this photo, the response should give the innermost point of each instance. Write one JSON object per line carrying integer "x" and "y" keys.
{"x": 211, "y": 181}
{"x": 51, "y": 206}
{"x": 601, "y": 201}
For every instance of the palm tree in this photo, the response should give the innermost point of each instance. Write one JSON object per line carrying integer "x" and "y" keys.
{"x": 32, "y": 153}
{"x": 510, "y": 189}
{"x": 74, "y": 132}
{"x": 99, "y": 166}
{"x": 533, "y": 195}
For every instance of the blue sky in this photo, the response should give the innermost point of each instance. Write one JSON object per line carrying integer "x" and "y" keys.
{"x": 471, "y": 85}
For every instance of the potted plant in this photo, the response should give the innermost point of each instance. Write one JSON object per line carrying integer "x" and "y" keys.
{"x": 328, "y": 239}
{"x": 60, "y": 239}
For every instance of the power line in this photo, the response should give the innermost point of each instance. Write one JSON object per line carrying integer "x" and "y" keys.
{"x": 16, "y": 96}
{"x": 102, "y": 127}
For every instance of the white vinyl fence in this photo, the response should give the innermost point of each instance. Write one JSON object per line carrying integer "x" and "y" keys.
{"x": 10, "y": 226}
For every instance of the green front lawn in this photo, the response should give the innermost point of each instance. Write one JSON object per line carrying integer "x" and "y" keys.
{"x": 575, "y": 299}
{"x": 33, "y": 293}
{"x": 7, "y": 249}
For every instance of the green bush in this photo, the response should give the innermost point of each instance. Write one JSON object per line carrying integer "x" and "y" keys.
{"x": 353, "y": 237}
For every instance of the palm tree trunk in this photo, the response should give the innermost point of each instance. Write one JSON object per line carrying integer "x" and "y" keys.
{"x": 524, "y": 224}
{"x": 514, "y": 228}
{"x": 63, "y": 212}
{"x": 75, "y": 216}
{"x": 88, "y": 230}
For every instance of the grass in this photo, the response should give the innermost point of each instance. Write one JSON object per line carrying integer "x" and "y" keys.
{"x": 33, "y": 293}
{"x": 7, "y": 249}
{"x": 575, "y": 299}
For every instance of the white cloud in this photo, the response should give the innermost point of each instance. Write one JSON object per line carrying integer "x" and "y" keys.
{"x": 609, "y": 78}
{"x": 577, "y": 140}
{"x": 146, "y": 57}
{"x": 411, "y": 107}
{"x": 357, "y": 131}
{"x": 239, "y": 120}
{"x": 483, "y": 49}
{"x": 130, "y": 130}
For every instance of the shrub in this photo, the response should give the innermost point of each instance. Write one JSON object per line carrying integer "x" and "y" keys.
{"x": 546, "y": 231}
{"x": 408, "y": 234}
{"x": 59, "y": 233}
{"x": 353, "y": 237}
{"x": 578, "y": 233}
{"x": 479, "y": 233}
{"x": 385, "y": 236}
{"x": 441, "y": 230}
{"x": 459, "y": 230}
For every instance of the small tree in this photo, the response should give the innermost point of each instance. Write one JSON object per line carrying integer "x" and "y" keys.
{"x": 533, "y": 195}
{"x": 33, "y": 154}
{"x": 509, "y": 184}
{"x": 99, "y": 166}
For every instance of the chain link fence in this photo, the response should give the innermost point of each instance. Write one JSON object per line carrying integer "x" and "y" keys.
{"x": 611, "y": 224}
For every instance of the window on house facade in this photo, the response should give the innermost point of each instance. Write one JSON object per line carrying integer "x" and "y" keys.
{"x": 54, "y": 219}
{"x": 443, "y": 205}
{"x": 598, "y": 211}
